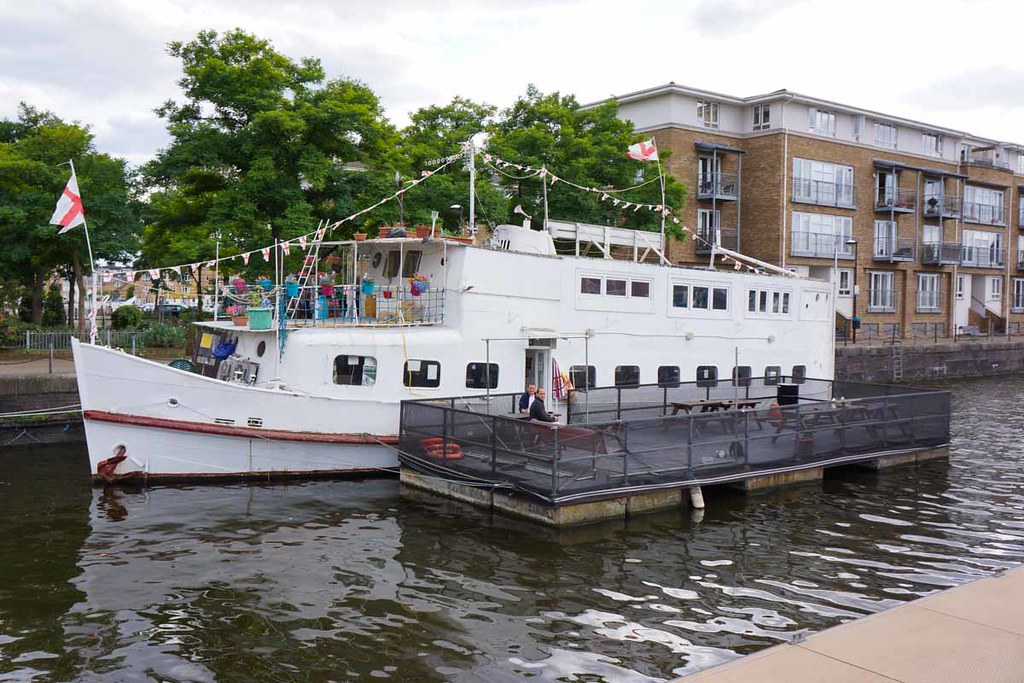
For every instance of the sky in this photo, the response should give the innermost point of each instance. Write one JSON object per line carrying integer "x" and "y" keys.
{"x": 947, "y": 62}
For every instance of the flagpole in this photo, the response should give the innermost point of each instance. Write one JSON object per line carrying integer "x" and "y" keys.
{"x": 92, "y": 267}
{"x": 216, "y": 279}
{"x": 661, "y": 176}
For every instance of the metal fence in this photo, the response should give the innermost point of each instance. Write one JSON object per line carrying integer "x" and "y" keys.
{"x": 61, "y": 339}
{"x": 652, "y": 437}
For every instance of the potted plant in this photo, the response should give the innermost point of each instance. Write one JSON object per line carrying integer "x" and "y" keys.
{"x": 291, "y": 285}
{"x": 237, "y": 315}
{"x": 239, "y": 285}
{"x": 419, "y": 284}
{"x": 367, "y": 285}
{"x": 259, "y": 312}
{"x": 423, "y": 231}
{"x": 383, "y": 231}
{"x": 360, "y": 237}
{"x": 327, "y": 284}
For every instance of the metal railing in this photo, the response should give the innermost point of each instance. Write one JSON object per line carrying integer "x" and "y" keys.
{"x": 723, "y": 237}
{"x": 938, "y": 205}
{"x": 820, "y": 245}
{"x": 61, "y": 339}
{"x": 882, "y": 300}
{"x": 985, "y": 214}
{"x": 367, "y": 304}
{"x": 889, "y": 248}
{"x": 823, "y": 193}
{"x": 718, "y": 186}
{"x": 940, "y": 253}
{"x": 895, "y": 199}
{"x": 982, "y": 257}
{"x": 650, "y": 437}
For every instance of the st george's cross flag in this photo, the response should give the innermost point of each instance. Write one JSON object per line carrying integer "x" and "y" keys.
{"x": 69, "y": 212}
{"x": 643, "y": 151}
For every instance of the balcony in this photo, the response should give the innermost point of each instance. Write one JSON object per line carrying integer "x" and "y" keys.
{"x": 823, "y": 193}
{"x": 985, "y": 214}
{"x": 820, "y": 245}
{"x": 941, "y": 206}
{"x": 882, "y": 300}
{"x": 982, "y": 257}
{"x": 722, "y": 237}
{"x": 718, "y": 186}
{"x": 900, "y": 200}
{"x": 894, "y": 249}
{"x": 940, "y": 253}
{"x": 929, "y": 301}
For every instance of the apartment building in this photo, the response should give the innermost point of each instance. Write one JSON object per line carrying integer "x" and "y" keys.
{"x": 925, "y": 223}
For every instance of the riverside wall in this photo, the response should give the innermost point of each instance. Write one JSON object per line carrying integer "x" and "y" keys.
{"x": 37, "y": 393}
{"x": 930, "y": 361}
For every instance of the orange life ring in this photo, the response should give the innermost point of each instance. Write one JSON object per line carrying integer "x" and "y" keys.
{"x": 452, "y": 452}
{"x": 431, "y": 440}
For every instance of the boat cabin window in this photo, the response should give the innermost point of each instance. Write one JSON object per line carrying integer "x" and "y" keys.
{"x": 477, "y": 374}
{"x": 741, "y": 376}
{"x": 707, "y": 376}
{"x": 422, "y": 373}
{"x": 668, "y": 376}
{"x": 771, "y": 375}
{"x": 627, "y": 375}
{"x": 614, "y": 287}
{"x": 799, "y": 374}
{"x": 590, "y": 285}
{"x": 583, "y": 377}
{"x": 700, "y": 297}
{"x": 360, "y": 371}
{"x": 767, "y": 302}
{"x": 411, "y": 265}
{"x": 681, "y": 296}
{"x": 391, "y": 265}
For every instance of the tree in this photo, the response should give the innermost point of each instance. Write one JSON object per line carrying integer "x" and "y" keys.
{"x": 585, "y": 146}
{"x": 262, "y": 148}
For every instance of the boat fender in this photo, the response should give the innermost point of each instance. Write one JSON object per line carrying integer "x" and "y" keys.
{"x": 106, "y": 468}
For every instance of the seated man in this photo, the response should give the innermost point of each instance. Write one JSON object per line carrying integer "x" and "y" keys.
{"x": 538, "y": 411}
{"x": 528, "y": 398}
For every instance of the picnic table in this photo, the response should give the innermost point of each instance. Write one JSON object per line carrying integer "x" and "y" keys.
{"x": 711, "y": 406}
{"x": 840, "y": 416}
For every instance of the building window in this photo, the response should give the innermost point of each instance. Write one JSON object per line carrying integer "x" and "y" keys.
{"x": 358, "y": 371}
{"x": 1018, "y": 295}
{"x": 762, "y": 116}
{"x": 885, "y": 135}
{"x": 1020, "y": 164}
{"x": 845, "y": 277}
{"x": 668, "y": 376}
{"x": 932, "y": 144}
{"x": 741, "y": 375}
{"x": 477, "y": 375}
{"x": 627, "y": 375}
{"x": 982, "y": 249}
{"x": 928, "y": 293}
{"x": 799, "y": 374}
{"x": 422, "y": 373}
{"x": 886, "y": 244}
{"x": 772, "y": 374}
{"x": 995, "y": 288}
{"x": 882, "y": 294}
{"x": 822, "y": 183}
{"x": 821, "y": 235}
{"x": 615, "y": 287}
{"x": 707, "y": 114}
{"x": 823, "y": 122}
{"x": 983, "y": 205}
{"x": 583, "y": 377}
{"x": 640, "y": 289}
{"x": 590, "y": 285}
{"x": 959, "y": 286}
{"x": 707, "y": 376}
{"x": 858, "y": 128}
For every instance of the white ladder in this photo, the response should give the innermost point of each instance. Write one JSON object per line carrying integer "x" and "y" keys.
{"x": 308, "y": 268}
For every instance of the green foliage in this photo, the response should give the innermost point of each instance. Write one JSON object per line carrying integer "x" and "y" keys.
{"x": 53, "y": 308}
{"x": 126, "y": 318}
{"x": 12, "y": 332}
{"x": 162, "y": 335}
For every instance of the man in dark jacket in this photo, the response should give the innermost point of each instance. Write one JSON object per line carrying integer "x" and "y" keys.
{"x": 538, "y": 411}
{"x": 526, "y": 399}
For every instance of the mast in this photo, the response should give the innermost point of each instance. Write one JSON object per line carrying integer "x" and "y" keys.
{"x": 472, "y": 187}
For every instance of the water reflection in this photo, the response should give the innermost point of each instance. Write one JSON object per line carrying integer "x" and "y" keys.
{"x": 357, "y": 580}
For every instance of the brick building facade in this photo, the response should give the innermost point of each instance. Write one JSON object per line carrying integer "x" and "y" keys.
{"x": 924, "y": 222}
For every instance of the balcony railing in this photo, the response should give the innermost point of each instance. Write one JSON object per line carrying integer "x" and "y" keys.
{"x": 894, "y": 248}
{"x": 718, "y": 186}
{"x": 987, "y": 214}
{"x": 722, "y": 237}
{"x": 982, "y": 257}
{"x": 984, "y": 159}
{"x": 1020, "y": 260}
{"x": 940, "y": 253}
{"x": 882, "y": 300}
{"x": 823, "y": 193}
{"x": 895, "y": 199}
{"x": 941, "y": 206}
{"x": 929, "y": 301}
{"x": 820, "y": 245}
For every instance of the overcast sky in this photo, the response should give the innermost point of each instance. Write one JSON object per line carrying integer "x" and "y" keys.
{"x": 952, "y": 63}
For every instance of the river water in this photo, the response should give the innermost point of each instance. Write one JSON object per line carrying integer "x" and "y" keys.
{"x": 356, "y": 580}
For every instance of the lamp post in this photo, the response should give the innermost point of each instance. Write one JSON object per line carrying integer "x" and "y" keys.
{"x": 856, "y": 289}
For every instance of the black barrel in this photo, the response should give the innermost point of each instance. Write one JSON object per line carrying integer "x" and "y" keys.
{"x": 789, "y": 394}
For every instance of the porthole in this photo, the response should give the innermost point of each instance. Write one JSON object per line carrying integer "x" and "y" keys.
{"x": 261, "y": 348}
{"x": 376, "y": 259}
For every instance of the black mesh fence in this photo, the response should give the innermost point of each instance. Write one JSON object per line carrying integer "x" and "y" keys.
{"x": 650, "y": 437}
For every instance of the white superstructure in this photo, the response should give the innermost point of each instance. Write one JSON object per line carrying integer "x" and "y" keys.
{"x": 328, "y": 401}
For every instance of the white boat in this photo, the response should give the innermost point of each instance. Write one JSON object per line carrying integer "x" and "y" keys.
{"x": 320, "y": 394}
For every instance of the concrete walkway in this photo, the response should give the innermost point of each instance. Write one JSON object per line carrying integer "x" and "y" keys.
{"x": 973, "y": 632}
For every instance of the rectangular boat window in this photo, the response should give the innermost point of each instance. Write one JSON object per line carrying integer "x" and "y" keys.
{"x": 700, "y": 297}
{"x": 355, "y": 370}
{"x": 720, "y": 299}
{"x": 681, "y": 296}
{"x": 476, "y": 375}
{"x": 776, "y": 301}
{"x": 422, "y": 373}
{"x": 785, "y": 302}
{"x": 615, "y": 287}
{"x": 583, "y": 377}
{"x": 799, "y": 374}
{"x": 771, "y": 375}
{"x": 762, "y": 302}
{"x": 640, "y": 289}
{"x": 707, "y": 376}
{"x": 411, "y": 263}
{"x": 741, "y": 376}
{"x": 668, "y": 376}
{"x": 627, "y": 375}
{"x": 752, "y": 301}
{"x": 391, "y": 265}
{"x": 590, "y": 285}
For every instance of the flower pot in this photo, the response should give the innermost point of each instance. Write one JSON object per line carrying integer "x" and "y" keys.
{"x": 239, "y": 320}
{"x": 266, "y": 284}
{"x": 383, "y": 231}
{"x": 321, "y": 307}
{"x": 360, "y": 236}
{"x": 260, "y": 318}
{"x": 327, "y": 290}
{"x": 368, "y": 286}
{"x": 414, "y": 291}
{"x": 387, "y": 293}
{"x": 291, "y": 289}
{"x": 423, "y": 231}
{"x": 421, "y": 285}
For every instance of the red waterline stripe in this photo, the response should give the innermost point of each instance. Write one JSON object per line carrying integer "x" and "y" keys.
{"x": 241, "y": 432}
